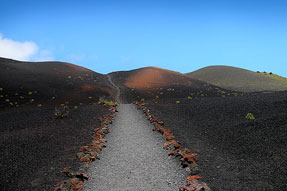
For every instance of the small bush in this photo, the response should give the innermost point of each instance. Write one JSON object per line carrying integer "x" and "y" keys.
{"x": 189, "y": 97}
{"x": 104, "y": 101}
{"x": 177, "y": 102}
{"x": 250, "y": 116}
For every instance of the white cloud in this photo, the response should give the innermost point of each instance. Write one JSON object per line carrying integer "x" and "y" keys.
{"x": 23, "y": 51}
{"x": 17, "y": 50}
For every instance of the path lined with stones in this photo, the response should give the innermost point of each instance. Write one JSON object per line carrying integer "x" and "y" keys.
{"x": 134, "y": 158}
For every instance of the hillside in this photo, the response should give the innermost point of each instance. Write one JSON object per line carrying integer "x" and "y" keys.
{"x": 157, "y": 83}
{"x": 238, "y": 79}
{"x": 52, "y": 83}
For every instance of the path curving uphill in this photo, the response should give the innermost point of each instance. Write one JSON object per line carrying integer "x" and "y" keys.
{"x": 134, "y": 158}
{"x": 116, "y": 87}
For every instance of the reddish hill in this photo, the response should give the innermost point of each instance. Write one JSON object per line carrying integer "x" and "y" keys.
{"x": 52, "y": 83}
{"x": 157, "y": 83}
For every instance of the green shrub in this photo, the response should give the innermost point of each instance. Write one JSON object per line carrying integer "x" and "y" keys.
{"x": 104, "y": 101}
{"x": 177, "y": 102}
{"x": 250, "y": 116}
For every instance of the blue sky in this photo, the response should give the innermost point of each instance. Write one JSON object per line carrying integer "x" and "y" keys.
{"x": 181, "y": 35}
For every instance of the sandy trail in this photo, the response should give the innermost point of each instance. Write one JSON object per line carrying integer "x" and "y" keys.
{"x": 134, "y": 158}
{"x": 116, "y": 87}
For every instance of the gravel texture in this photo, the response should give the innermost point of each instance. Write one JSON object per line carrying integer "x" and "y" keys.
{"x": 134, "y": 158}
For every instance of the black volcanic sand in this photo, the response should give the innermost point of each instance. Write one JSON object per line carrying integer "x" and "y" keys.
{"x": 195, "y": 90}
{"x": 235, "y": 153}
{"x": 40, "y": 84}
{"x": 35, "y": 147}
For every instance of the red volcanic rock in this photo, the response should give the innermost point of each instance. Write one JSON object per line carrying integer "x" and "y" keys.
{"x": 190, "y": 178}
{"x": 160, "y": 122}
{"x": 156, "y": 127}
{"x": 97, "y": 136}
{"x": 171, "y": 145}
{"x": 190, "y": 158}
{"x": 76, "y": 185}
{"x": 97, "y": 144}
{"x": 80, "y": 155}
{"x": 93, "y": 155}
{"x": 174, "y": 153}
{"x": 83, "y": 176}
{"x": 100, "y": 132}
{"x": 84, "y": 148}
{"x": 195, "y": 185}
{"x": 169, "y": 137}
{"x": 186, "y": 152}
{"x": 95, "y": 148}
{"x": 166, "y": 133}
{"x": 68, "y": 172}
{"x": 97, "y": 129}
{"x": 86, "y": 158}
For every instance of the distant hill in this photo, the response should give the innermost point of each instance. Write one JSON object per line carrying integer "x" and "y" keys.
{"x": 154, "y": 82}
{"x": 152, "y": 77}
{"x": 239, "y": 79}
{"x": 53, "y": 83}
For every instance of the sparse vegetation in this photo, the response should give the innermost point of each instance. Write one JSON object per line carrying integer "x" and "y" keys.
{"x": 250, "y": 116}
{"x": 104, "y": 101}
{"x": 177, "y": 102}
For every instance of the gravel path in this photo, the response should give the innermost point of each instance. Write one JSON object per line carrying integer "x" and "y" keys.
{"x": 134, "y": 158}
{"x": 116, "y": 87}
